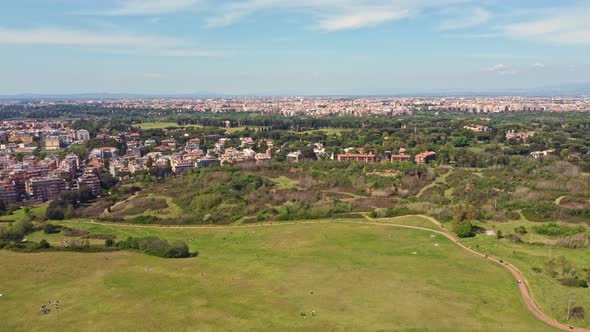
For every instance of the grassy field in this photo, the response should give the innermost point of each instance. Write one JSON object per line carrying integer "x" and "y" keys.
{"x": 354, "y": 277}
{"x": 38, "y": 211}
{"x": 236, "y": 129}
{"x": 156, "y": 125}
{"x": 284, "y": 182}
{"x": 549, "y": 293}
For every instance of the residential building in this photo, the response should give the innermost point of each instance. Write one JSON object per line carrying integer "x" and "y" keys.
{"x": 360, "y": 158}
{"x": 52, "y": 143}
{"x": 425, "y": 157}
{"x": 208, "y": 161}
{"x": 400, "y": 157}
{"x": 540, "y": 154}
{"x": 82, "y": 135}
{"x": 91, "y": 181}
{"x": 182, "y": 166}
{"x": 104, "y": 152}
{"x": 8, "y": 194}
{"x": 45, "y": 188}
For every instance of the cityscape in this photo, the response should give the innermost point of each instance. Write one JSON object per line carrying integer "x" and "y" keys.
{"x": 282, "y": 165}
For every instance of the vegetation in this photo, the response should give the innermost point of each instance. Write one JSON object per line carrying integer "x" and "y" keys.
{"x": 269, "y": 267}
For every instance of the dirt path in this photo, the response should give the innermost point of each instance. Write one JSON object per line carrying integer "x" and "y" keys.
{"x": 442, "y": 179}
{"x": 518, "y": 276}
{"x": 559, "y": 199}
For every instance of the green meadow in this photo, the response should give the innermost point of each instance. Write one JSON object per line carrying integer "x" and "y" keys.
{"x": 318, "y": 276}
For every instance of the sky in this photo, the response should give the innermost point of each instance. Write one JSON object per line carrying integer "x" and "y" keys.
{"x": 291, "y": 47}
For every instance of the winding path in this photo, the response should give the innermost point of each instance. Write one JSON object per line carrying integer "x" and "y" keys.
{"x": 528, "y": 299}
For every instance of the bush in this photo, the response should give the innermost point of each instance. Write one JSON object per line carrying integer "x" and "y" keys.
{"x": 514, "y": 238}
{"x": 553, "y": 229}
{"x": 574, "y": 242}
{"x": 520, "y": 230}
{"x": 75, "y": 232}
{"x": 577, "y": 313}
{"x": 109, "y": 243}
{"x": 145, "y": 220}
{"x": 155, "y": 246}
{"x": 43, "y": 244}
{"x": 512, "y": 215}
{"x": 50, "y": 228}
{"x": 464, "y": 229}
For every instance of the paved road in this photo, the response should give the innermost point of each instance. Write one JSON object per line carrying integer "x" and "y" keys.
{"x": 518, "y": 276}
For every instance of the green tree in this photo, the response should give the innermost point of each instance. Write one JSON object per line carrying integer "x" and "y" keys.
{"x": 464, "y": 229}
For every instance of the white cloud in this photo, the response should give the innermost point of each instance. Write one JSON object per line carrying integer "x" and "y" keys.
{"x": 497, "y": 67}
{"x": 330, "y": 15}
{"x": 117, "y": 42}
{"x": 500, "y": 69}
{"x": 476, "y": 17}
{"x": 569, "y": 27}
{"x": 538, "y": 65}
{"x": 151, "y": 7}
{"x": 361, "y": 19}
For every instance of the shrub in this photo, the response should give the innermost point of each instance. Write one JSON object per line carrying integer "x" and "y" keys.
{"x": 520, "y": 230}
{"x": 43, "y": 244}
{"x": 553, "y": 229}
{"x": 50, "y": 228}
{"x": 155, "y": 246}
{"x": 577, "y": 313}
{"x": 574, "y": 242}
{"x": 512, "y": 215}
{"x": 145, "y": 220}
{"x": 109, "y": 243}
{"x": 75, "y": 232}
{"x": 464, "y": 229}
{"x": 514, "y": 238}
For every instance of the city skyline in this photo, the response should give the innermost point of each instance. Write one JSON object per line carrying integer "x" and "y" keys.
{"x": 270, "y": 47}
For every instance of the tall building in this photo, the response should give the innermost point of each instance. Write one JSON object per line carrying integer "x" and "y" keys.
{"x": 8, "y": 194}
{"x": 82, "y": 135}
{"x": 91, "y": 181}
{"x": 52, "y": 143}
{"x": 45, "y": 188}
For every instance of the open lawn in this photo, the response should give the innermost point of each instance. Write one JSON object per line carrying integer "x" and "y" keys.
{"x": 232, "y": 130}
{"x": 38, "y": 211}
{"x": 551, "y": 296}
{"x": 156, "y": 125}
{"x": 354, "y": 277}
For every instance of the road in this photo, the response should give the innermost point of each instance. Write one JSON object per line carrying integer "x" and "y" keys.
{"x": 528, "y": 299}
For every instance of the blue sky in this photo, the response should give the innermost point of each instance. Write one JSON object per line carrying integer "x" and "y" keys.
{"x": 291, "y": 46}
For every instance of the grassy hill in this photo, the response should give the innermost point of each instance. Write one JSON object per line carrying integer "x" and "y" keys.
{"x": 354, "y": 277}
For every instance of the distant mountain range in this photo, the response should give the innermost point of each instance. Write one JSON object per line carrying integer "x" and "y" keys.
{"x": 573, "y": 89}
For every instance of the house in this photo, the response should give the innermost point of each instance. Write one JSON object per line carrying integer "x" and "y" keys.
{"x": 400, "y": 157}
{"x": 208, "y": 161}
{"x": 540, "y": 154}
{"x": 477, "y": 128}
{"x": 360, "y": 158}
{"x": 104, "y": 152}
{"x": 425, "y": 157}
{"x": 182, "y": 166}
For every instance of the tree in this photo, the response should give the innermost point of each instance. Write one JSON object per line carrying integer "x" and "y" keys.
{"x": 564, "y": 153}
{"x": 520, "y": 230}
{"x": 464, "y": 229}
{"x": 43, "y": 244}
{"x": 460, "y": 142}
{"x": 577, "y": 313}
